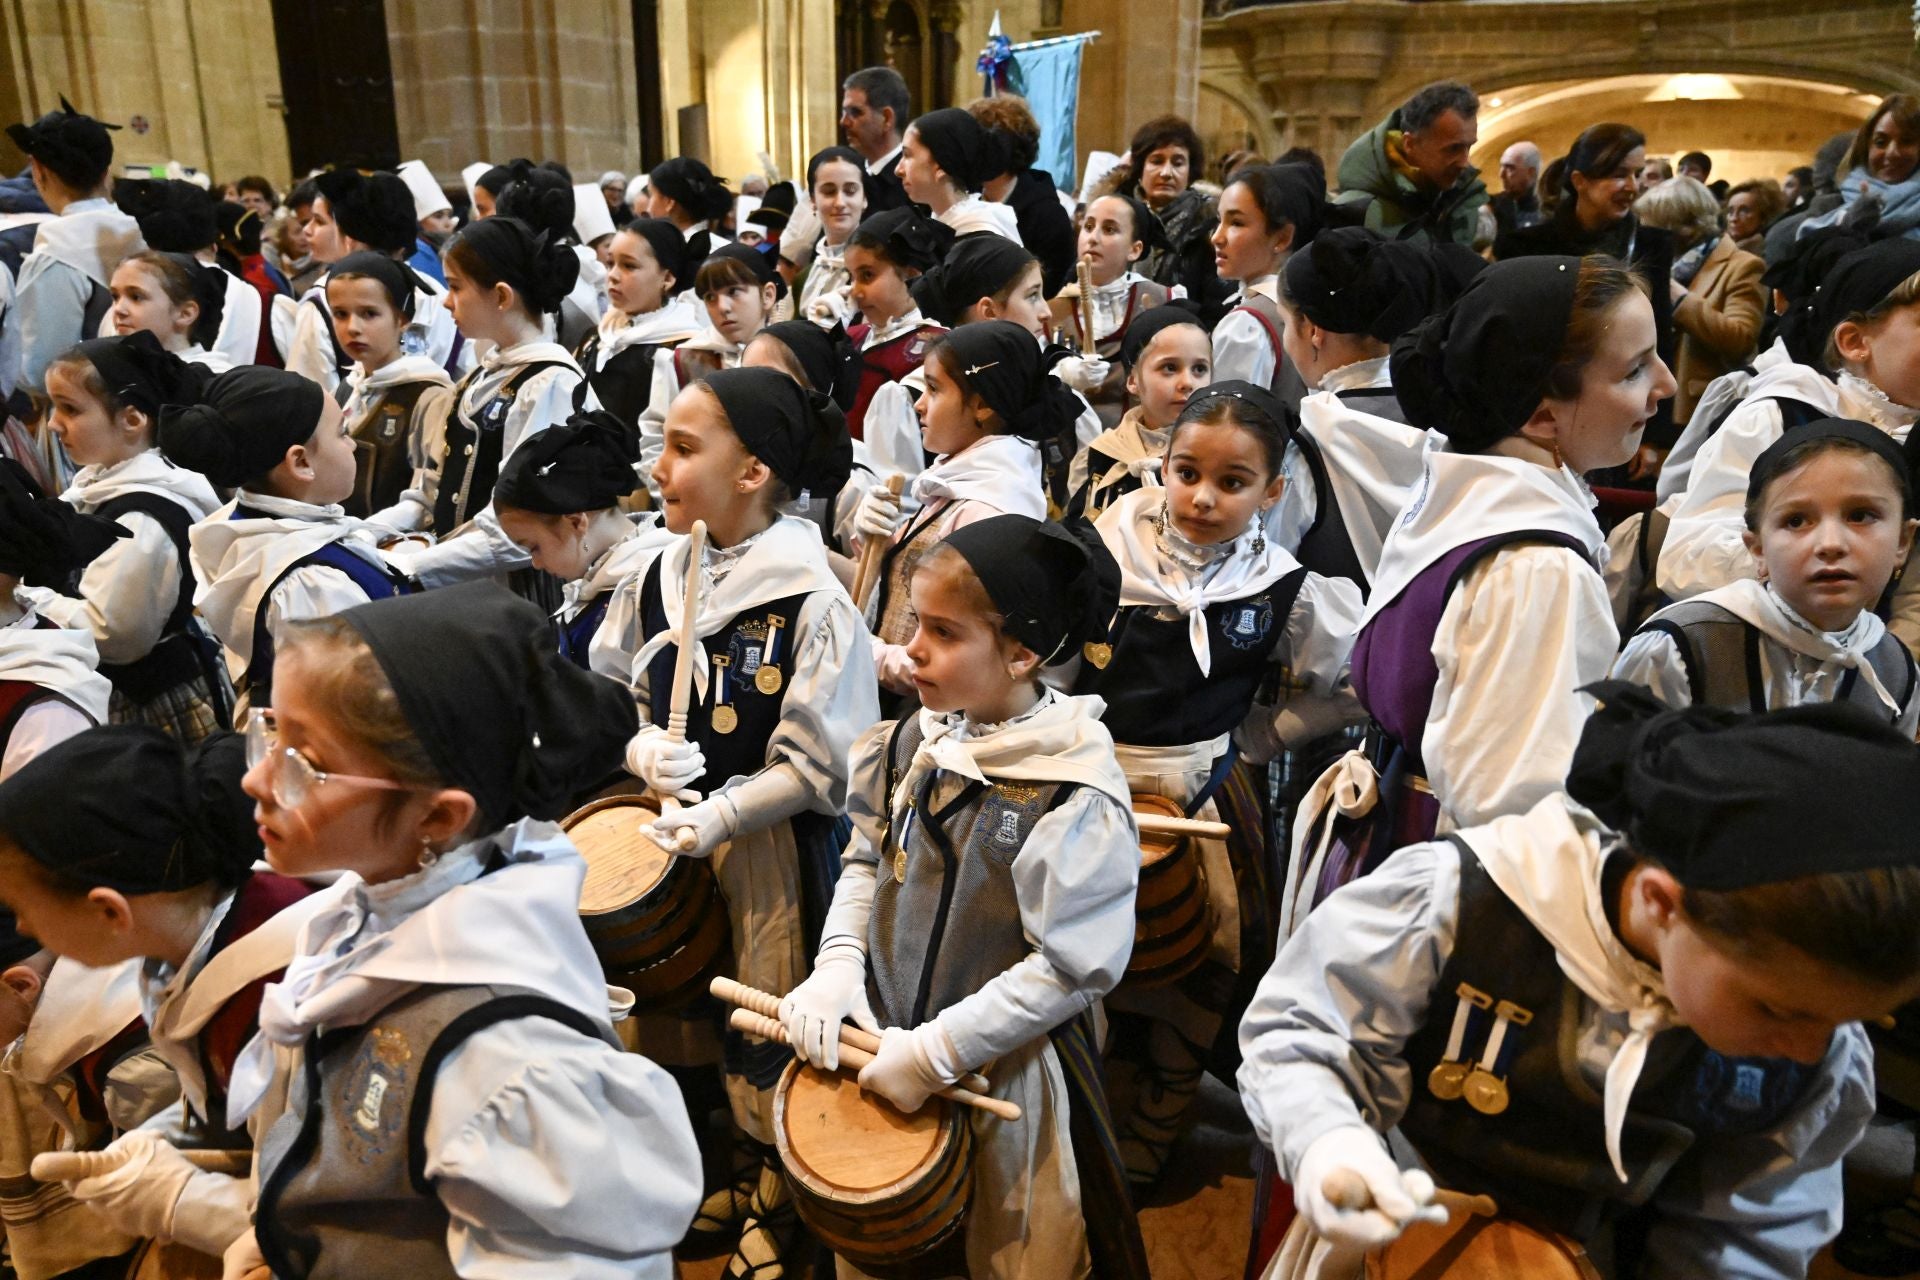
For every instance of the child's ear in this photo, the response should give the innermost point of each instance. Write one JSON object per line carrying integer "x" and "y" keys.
{"x": 1853, "y": 341}
{"x": 1133, "y": 382}
{"x": 769, "y": 294}
{"x": 114, "y": 912}
{"x": 503, "y": 296}
{"x": 1907, "y": 530}
{"x": 985, "y": 309}
{"x": 1283, "y": 239}
{"x": 1272, "y": 495}
{"x": 298, "y": 463}
{"x": 1136, "y": 251}
{"x": 577, "y": 521}
{"x": 134, "y": 421}
{"x": 447, "y": 817}
{"x": 1752, "y": 542}
{"x": 755, "y": 475}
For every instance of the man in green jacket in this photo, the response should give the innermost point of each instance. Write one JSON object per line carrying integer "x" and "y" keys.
{"x": 1412, "y": 169}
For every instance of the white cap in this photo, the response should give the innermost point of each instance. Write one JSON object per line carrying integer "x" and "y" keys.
{"x": 591, "y": 217}
{"x": 742, "y": 206}
{"x": 636, "y": 188}
{"x": 1099, "y": 165}
{"x": 428, "y": 198}
{"x": 471, "y": 176}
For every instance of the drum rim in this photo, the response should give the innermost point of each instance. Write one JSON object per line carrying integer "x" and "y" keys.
{"x": 630, "y": 800}
{"x": 803, "y": 1173}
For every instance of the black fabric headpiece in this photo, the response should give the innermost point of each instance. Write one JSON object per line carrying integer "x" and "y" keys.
{"x": 537, "y": 267}
{"x": 826, "y": 355}
{"x": 909, "y": 238}
{"x": 692, "y": 186}
{"x": 74, "y": 146}
{"x": 1147, "y": 227}
{"x": 776, "y": 207}
{"x": 374, "y": 208}
{"x": 1001, "y": 363}
{"x": 174, "y": 216}
{"x": 669, "y": 249}
{"x": 1768, "y": 465}
{"x": 135, "y": 811}
{"x": 801, "y": 435}
{"x": 1353, "y": 280}
{"x": 1150, "y": 323}
{"x": 977, "y": 266}
{"x": 1724, "y": 801}
{"x": 760, "y": 264}
{"x": 583, "y": 464}
{"x": 500, "y": 712}
{"x": 542, "y": 199}
{"x": 242, "y": 425}
{"x": 1252, "y": 394}
{"x": 44, "y": 541}
{"x": 139, "y": 372}
{"x": 1477, "y": 371}
{"x": 1859, "y": 281}
{"x": 1055, "y": 588}
{"x": 966, "y": 150}
{"x": 395, "y": 277}
{"x": 237, "y": 228}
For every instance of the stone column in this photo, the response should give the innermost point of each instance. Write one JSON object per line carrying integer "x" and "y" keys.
{"x": 1146, "y": 63}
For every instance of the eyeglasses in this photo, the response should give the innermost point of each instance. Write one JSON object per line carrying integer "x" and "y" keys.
{"x": 291, "y": 778}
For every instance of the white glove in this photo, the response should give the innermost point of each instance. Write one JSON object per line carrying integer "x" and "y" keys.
{"x": 835, "y": 306}
{"x": 837, "y": 989}
{"x": 667, "y": 766}
{"x": 711, "y": 821}
{"x": 911, "y": 1066}
{"x": 798, "y": 237}
{"x": 1396, "y": 1198}
{"x": 244, "y": 1261}
{"x": 879, "y": 513}
{"x": 1082, "y": 373}
{"x": 139, "y": 1196}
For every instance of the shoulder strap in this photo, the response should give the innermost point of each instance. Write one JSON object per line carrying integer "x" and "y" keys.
{"x": 340, "y": 358}
{"x": 1796, "y": 413}
{"x": 1501, "y": 541}
{"x": 458, "y": 1032}
{"x": 1720, "y": 652}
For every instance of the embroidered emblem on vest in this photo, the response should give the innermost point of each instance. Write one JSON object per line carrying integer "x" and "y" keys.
{"x": 389, "y": 423}
{"x": 1246, "y": 625}
{"x": 382, "y": 1067}
{"x": 1006, "y": 814}
{"x": 748, "y": 644}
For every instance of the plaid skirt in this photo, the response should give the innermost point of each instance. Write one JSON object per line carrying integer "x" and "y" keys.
{"x": 189, "y": 711}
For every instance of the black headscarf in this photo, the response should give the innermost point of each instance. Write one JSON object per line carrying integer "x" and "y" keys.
{"x": 209, "y": 291}
{"x": 1353, "y": 280}
{"x": 966, "y": 150}
{"x": 374, "y": 208}
{"x": 760, "y": 264}
{"x": 1149, "y": 323}
{"x": 801, "y": 435}
{"x": 1000, "y": 362}
{"x": 542, "y": 199}
{"x": 1252, "y": 394}
{"x": 395, "y": 277}
{"x": 1726, "y": 801}
{"x": 909, "y": 239}
{"x": 237, "y": 228}
{"x": 976, "y": 267}
{"x": 500, "y": 712}
{"x": 242, "y": 425}
{"x": 44, "y": 541}
{"x": 1477, "y": 371}
{"x": 1875, "y": 441}
{"x": 776, "y": 207}
{"x": 126, "y": 807}
{"x": 583, "y": 464}
{"x": 826, "y": 355}
{"x": 669, "y": 249}
{"x": 1859, "y": 281}
{"x": 174, "y": 216}
{"x": 74, "y": 146}
{"x": 1054, "y": 588}
{"x": 537, "y": 267}
{"x": 142, "y": 374}
{"x": 692, "y": 186}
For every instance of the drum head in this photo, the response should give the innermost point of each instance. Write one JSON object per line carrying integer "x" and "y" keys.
{"x": 845, "y": 1142}
{"x": 623, "y": 863}
{"x": 1153, "y": 845}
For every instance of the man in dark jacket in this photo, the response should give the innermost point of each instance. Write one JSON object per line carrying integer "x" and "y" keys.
{"x": 874, "y": 111}
{"x": 1412, "y": 170}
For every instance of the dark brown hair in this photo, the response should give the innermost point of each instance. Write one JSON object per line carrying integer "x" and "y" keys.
{"x": 721, "y": 272}
{"x": 1864, "y": 923}
{"x": 1905, "y": 109}
{"x": 1603, "y": 283}
{"x": 1234, "y": 411}
{"x": 1164, "y": 131}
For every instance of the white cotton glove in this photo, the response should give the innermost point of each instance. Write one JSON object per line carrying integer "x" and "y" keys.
{"x": 911, "y": 1066}
{"x": 879, "y": 513}
{"x": 139, "y": 1196}
{"x": 1396, "y": 1198}
{"x": 837, "y": 989}
{"x": 667, "y": 766}
{"x": 835, "y": 306}
{"x": 800, "y": 234}
{"x": 712, "y": 822}
{"x": 1082, "y": 373}
{"x": 244, "y": 1261}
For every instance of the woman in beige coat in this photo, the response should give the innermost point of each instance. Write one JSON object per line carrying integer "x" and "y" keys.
{"x": 1718, "y": 300}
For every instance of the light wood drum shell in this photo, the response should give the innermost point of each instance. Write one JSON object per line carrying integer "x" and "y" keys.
{"x": 656, "y": 920}
{"x": 877, "y": 1186}
{"x": 1471, "y": 1247}
{"x": 158, "y": 1260}
{"x": 1173, "y": 923}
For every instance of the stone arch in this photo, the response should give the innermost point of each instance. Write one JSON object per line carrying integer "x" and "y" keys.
{"x": 1226, "y": 121}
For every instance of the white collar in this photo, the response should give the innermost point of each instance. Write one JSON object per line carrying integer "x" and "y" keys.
{"x": 1361, "y": 375}
{"x": 893, "y": 328}
{"x": 875, "y": 166}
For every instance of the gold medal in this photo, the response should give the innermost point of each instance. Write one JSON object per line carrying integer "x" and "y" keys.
{"x": 1486, "y": 1092}
{"x": 767, "y": 680}
{"x": 1098, "y": 654}
{"x": 725, "y": 718}
{"x": 1446, "y": 1080}
{"x": 900, "y": 867}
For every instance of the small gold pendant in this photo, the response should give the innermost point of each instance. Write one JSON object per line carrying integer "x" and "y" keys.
{"x": 900, "y": 867}
{"x": 768, "y": 680}
{"x": 1448, "y": 1080}
{"x": 725, "y": 718}
{"x": 1098, "y": 654}
{"x": 1486, "y": 1093}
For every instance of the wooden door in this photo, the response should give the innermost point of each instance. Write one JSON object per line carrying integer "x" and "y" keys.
{"x": 337, "y": 79}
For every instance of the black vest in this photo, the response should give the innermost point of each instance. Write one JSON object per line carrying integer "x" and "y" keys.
{"x": 577, "y": 635}
{"x": 1155, "y": 694}
{"x": 625, "y": 385}
{"x": 1544, "y": 1157}
{"x": 735, "y": 655}
{"x": 474, "y": 453}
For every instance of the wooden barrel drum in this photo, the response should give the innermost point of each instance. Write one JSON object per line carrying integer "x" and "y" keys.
{"x": 159, "y": 1260}
{"x": 877, "y": 1186}
{"x": 1173, "y": 926}
{"x": 1471, "y": 1247}
{"x": 655, "y": 919}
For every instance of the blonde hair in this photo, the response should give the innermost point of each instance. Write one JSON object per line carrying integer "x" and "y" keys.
{"x": 1683, "y": 206}
{"x": 1904, "y": 294}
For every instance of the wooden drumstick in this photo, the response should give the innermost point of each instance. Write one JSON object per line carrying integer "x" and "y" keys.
{"x": 872, "y": 551}
{"x": 1162, "y": 825}
{"x": 1085, "y": 269}
{"x": 682, "y": 691}
{"x": 852, "y": 1060}
{"x": 1346, "y": 1189}
{"x": 767, "y": 1005}
{"x": 70, "y": 1166}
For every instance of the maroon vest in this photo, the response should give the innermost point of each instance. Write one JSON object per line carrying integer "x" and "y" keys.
{"x": 885, "y": 362}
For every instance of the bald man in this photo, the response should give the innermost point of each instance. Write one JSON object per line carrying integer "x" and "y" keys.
{"x": 1518, "y": 204}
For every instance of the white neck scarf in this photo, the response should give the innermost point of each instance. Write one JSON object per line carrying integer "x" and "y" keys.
{"x": 1002, "y": 472}
{"x": 1058, "y": 739}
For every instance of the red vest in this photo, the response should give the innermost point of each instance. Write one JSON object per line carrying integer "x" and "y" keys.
{"x": 262, "y": 897}
{"x": 887, "y": 362}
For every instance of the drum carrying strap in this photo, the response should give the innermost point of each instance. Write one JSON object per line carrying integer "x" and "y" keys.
{"x": 1222, "y": 770}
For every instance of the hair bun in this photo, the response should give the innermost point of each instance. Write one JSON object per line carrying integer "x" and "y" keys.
{"x": 197, "y": 437}
{"x": 222, "y": 840}
{"x": 556, "y": 268}
{"x": 829, "y": 457}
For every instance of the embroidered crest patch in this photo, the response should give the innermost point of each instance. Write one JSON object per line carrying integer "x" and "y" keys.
{"x": 1246, "y": 623}
{"x": 374, "y": 1121}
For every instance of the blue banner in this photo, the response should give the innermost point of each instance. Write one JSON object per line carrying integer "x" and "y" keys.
{"x": 1047, "y": 75}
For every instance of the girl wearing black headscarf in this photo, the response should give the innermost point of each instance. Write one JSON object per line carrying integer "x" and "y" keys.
{"x": 424, "y": 746}
{"x": 651, "y": 307}
{"x": 1267, "y": 212}
{"x": 1114, "y": 232}
{"x": 783, "y": 683}
{"x": 1488, "y": 610}
{"x": 1670, "y": 1049}
{"x": 685, "y": 192}
{"x": 945, "y": 158}
{"x": 119, "y": 845}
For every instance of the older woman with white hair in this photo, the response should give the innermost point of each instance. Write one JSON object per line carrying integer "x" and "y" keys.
{"x": 1718, "y": 300}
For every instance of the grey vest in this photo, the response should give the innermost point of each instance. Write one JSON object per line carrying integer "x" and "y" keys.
{"x": 343, "y": 1185}
{"x": 960, "y": 840}
{"x": 1721, "y": 653}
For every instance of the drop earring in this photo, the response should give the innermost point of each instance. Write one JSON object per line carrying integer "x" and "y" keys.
{"x": 1260, "y": 532}
{"x": 428, "y": 854}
